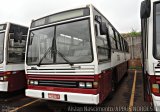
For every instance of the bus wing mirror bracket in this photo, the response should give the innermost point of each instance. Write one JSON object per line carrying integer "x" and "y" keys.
{"x": 145, "y": 9}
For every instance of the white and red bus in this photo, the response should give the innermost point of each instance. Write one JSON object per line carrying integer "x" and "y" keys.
{"x": 12, "y": 54}
{"x": 150, "y": 24}
{"x": 74, "y": 56}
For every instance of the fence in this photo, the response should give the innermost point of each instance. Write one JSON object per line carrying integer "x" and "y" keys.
{"x": 135, "y": 52}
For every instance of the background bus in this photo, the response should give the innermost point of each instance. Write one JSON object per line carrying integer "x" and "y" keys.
{"x": 12, "y": 54}
{"x": 150, "y": 24}
{"x": 74, "y": 56}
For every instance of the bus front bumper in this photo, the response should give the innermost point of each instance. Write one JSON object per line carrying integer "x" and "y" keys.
{"x": 4, "y": 86}
{"x": 156, "y": 102}
{"x": 64, "y": 96}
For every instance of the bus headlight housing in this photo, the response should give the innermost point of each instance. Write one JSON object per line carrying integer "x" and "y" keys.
{"x": 5, "y": 77}
{"x": 32, "y": 82}
{"x": 35, "y": 82}
{"x": 88, "y": 84}
{"x": 82, "y": 84}
{"x": 85, "y": 84}
{"x": 95, "y": 84}
{"x": 155, "y": 88}
{"x": 1, "y": 78}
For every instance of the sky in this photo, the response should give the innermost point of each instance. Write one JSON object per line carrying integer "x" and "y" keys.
{"x": 123, "y": 14}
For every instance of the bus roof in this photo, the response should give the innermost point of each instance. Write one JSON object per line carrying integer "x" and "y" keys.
{"x": 70, "y": 13}
{"x": 6, "y": 23}
{"x": 64, "y": 10}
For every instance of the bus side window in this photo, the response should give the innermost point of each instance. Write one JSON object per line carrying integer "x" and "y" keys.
{"x": 127, "y": 47}
{"x": 117, "y": 38}
{"x": 123, "y": 44}
{"x": 112, "y": 38}
{"x": 102, "y": 45}
{"x": 121, "y": 41}
{"x": 124, "y": 47}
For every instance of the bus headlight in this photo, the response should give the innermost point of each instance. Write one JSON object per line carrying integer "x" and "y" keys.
{"x": 1, "y": 78}
{"x": 88, "y": 84}
{"x": 82, "y": 84}
{"x": 5, "y": 77}
{"x": 35, "y": 82}
{"x": 32, "y": 82}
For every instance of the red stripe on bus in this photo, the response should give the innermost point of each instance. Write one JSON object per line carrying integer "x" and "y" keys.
{"x": 60, "y": 89}
{"x": 63, "y": 78}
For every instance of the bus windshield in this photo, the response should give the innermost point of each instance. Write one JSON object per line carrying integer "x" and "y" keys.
{"x": 1, "y": 46}
{"x": 72, "y": 40}
{"x": 157, "y": 31}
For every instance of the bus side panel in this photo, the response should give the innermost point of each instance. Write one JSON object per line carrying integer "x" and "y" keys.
{"x": 17, "y": 81}
{"x": 105, "y": 86}
{"x": 121, "y": 70}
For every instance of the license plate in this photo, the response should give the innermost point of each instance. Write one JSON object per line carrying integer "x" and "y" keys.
{"x": 53, "y": 96}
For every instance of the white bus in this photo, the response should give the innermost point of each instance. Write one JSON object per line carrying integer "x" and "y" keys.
{"x": 12, "y": 54}
{"x": 150, "y": 24}
{"x": 74, "y": 56}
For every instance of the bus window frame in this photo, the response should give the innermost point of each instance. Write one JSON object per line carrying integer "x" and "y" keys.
{"x": 108, "y": 48}
{"x": 114, "y": 38}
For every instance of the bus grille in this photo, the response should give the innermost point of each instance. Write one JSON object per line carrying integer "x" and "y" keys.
{"x": 58, "y": 83}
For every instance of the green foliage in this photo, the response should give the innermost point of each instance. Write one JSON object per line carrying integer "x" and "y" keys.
{"x": 133, "y": 33}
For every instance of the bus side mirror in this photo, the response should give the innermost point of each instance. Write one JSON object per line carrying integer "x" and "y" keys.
{"x": 103, "y": 28}
{"x": 145, "y": 9}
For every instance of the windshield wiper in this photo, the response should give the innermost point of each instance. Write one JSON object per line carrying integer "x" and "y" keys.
{"x": 64, "y": 57}
{"x": 45, "y": 54}
{"x": 56, "y": 51}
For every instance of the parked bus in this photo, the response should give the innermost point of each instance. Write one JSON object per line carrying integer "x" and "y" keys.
{"x": 74, "y": 56}
{"x": 12, "y": 54}
{"x": 150, "y": 24}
